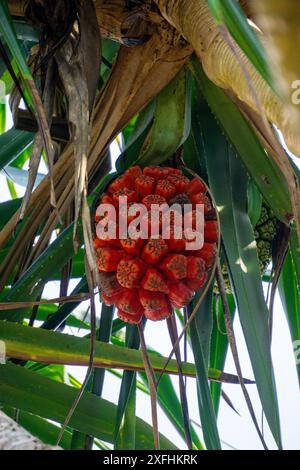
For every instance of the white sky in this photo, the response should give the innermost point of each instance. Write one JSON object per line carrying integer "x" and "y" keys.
{"x": 238, "y": 431}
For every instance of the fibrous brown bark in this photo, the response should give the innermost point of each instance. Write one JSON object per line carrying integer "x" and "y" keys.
{"x": 116, "y": 21}
{"x": 138, "y": 75}
{"x": 194, "y": 20}
{"x": 280, "y": 21}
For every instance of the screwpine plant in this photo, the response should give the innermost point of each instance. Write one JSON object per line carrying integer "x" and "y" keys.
{"x": 185, "y": 89}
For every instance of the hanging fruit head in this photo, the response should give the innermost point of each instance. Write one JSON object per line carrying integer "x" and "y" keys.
{"x": 149, "y": 274}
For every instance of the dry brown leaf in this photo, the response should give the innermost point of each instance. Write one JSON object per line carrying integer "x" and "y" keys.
{"x": 194, "y": 20}
{"x": 148, "y": 69}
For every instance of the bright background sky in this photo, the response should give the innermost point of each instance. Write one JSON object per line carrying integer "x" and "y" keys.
{"x": 236, "y": 431}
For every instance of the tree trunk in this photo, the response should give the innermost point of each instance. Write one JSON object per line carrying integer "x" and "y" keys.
{"x": 14, "y": 437}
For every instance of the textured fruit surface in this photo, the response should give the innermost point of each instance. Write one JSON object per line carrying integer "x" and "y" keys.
{"x": 151, "y": 275}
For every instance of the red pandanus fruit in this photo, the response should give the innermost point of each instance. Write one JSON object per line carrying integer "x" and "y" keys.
{"x": 144, "y": 185}
{"x": 144, "y": 276}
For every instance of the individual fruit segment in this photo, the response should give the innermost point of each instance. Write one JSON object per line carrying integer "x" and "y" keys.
{"x": 175, "y": 266}
{"x": 211, "y": 231}
{"x": 130, "y": 271}
{"x": 195, "y": 267}
{"x": 165, "y": 188}
{"x": 110, "y": 300}
{"x": 208, "y": 253}
{"x": 132, "y": 247}
{"x": 180, "y": 183}
{"x": 124, "y": 181}
{"x": 154, "y": 251}
{"x": 153, "y": 199}
{"x": 176, "y": 245}
{"x": 144, "y": 185}
{"x": 196, "y": 284}
{"x": 130, "y": 195}
{"x": 107, "y": 242}
{"x": 159, "y": 314}
{"x": 196, "y": 186}
{"x": 173, "y": 171}
{"x": 153, "y": 301}
{"x": 128, "y": 301}
{"x": 109, "y": 284}
{"x": 128, "y": 318}
{"x": 106, "y": 199}
{"x": 108, "y": 259}
{"x": 134, "y": 172}
{"x": 98, "y": 243}
{"x": 201, "y": 199}
{"x": 156, "y": 172}
{"x": 154, "y": 281}
{"x": 180, "y": 294}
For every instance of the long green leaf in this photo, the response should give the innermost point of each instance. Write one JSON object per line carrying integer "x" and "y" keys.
{"x": 171, "y": 125}
{"x": 2, "y": 115}
{"x": 12, "y": 144}
{"x": 170, "y": 404}
{"x": 219, "y": 347}
{"x": 228, "y": 181}
{"x": 167, "y": 398}
{"x": 206, "y": 410}
{"x": 204, "y": 321}
{"x": 127, "y": 436}
{"x": 289, "y": 289}
{"x": 103, "y": 334}
{"x": 33, "y": 393}
{"x": 168, "y": 401}
{"x": 19, "y": 62}
{"x": 136, "y": 139}
{"x": 40, "y": 345}
{"x": 7, "y": 210}
{"x": 95, "y": 384}
{"x": 259, "y": 165}
{"x": 54, "y": 258}
{"x": 124, "y": 435}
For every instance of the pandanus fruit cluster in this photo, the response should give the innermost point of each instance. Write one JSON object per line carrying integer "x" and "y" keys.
{"x": 152, "y": 276}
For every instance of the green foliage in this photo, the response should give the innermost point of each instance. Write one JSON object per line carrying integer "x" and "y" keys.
{"x": 197, "y": 118}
